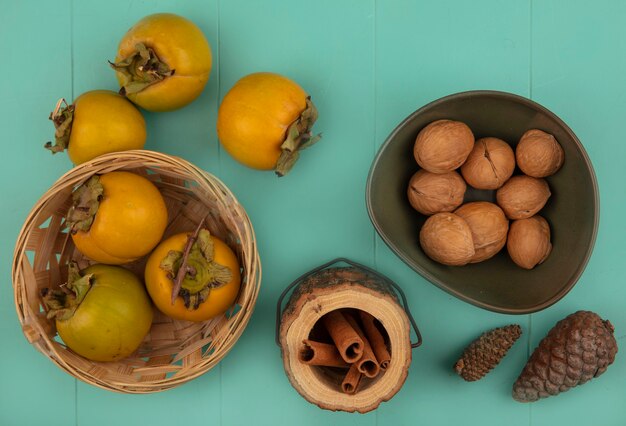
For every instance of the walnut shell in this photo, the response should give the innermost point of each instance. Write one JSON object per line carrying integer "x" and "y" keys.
{"x": 443, "y": 146}
{"x": 489, "y": 228}
{"x": 447, "y": 239}
{"x": 490, "y": 164}
{"x": 529, "y": 241}
{"x": 431, "y": 193}
{"x": 539, "y": 154}
{"x": 523, "y": 196}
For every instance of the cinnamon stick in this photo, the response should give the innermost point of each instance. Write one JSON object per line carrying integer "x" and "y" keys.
{"x": 348, "y": 342}
{"x": 351, "y": 381}
{"x": 322, "y": 354}
{"x": 367, "y": 364}
{"x": 376, "y": 340}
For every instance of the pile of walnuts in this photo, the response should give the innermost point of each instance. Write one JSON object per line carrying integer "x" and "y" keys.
{"x": 457, "y": 233}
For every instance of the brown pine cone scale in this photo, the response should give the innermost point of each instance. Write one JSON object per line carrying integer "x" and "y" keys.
{"x": 577, "y": 349}
{"x": 484, "y": 353}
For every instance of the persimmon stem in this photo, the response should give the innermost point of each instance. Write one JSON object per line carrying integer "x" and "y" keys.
{"x": 299, "y": 137}
{"x": 62, "y": 118}
{"x": 55, "y": 113}
{"x": 61, "y": 303}
{"x": 141, "y": 69}
{"x": 184, "y": 268}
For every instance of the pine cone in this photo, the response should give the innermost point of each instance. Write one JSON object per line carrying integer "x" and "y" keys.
{"x": 577, "y": 349}
{"x": 485, "y": 353}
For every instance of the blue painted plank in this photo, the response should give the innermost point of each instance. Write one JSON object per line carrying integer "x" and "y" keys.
{"x": 579, "y": 73}
{"x": 426, "y": 50}
{"x": 35, "y": 44}
{"x": 196, "y": 402}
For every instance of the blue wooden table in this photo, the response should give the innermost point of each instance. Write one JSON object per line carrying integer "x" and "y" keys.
{"x": 367, "y": 64}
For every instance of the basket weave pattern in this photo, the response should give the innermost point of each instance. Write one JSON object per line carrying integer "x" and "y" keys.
{"x": 173, "y": 352}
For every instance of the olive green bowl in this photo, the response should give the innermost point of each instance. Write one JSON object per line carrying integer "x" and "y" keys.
{"x": 496, "y": 284}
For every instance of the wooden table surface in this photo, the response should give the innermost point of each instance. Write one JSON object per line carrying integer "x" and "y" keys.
{"x": 367, "y": 64}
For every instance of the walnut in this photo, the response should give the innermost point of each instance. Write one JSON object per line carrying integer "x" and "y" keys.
{"x": 529, "y": 241}
{"x": 490, "y": 164}
{"x": 431, "y": 193}
{"x": 539, "y": 154}
{"x": 447, "y": 239}
{"x": 489, "y": 227}
{"x": 443, "y": 146}
{"x": 523, "y": 196}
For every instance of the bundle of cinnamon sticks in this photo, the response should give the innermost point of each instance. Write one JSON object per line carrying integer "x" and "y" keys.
{"x": 358, "y": 346}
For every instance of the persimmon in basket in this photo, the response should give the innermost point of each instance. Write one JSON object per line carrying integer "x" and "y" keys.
{"x": 102, "y": 313}
{"x": 193, "y": 276}
{"x": 117, "y": 217}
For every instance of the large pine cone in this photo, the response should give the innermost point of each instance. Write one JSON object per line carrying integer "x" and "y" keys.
{"x": 577, "y": 349}
{"x": 486, "y": 352}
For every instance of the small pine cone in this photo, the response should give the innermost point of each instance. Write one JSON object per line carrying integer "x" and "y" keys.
{"x": 577, "y": 349}
{"x": 486, "y": 352}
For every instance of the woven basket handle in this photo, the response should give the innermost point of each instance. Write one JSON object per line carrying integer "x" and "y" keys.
{"x": 279, "y": 305}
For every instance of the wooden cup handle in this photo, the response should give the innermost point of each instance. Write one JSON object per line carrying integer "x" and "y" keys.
{"x": 301, "y": 278}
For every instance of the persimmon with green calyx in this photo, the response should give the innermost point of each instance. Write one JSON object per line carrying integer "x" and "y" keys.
{"x": 117, "y": 217}
{"x": 163, "y": 62}
{"x": 265, "y": 120}
{"x": 209, "y": 280}
{"x": 98, "y": 122}
{"x": 102, "y": 313}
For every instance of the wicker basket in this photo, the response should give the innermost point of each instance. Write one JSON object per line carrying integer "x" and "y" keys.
{"x": 173, "y": 352}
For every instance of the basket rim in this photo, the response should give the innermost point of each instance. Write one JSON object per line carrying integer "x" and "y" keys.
{"x": 149, "y": 159}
